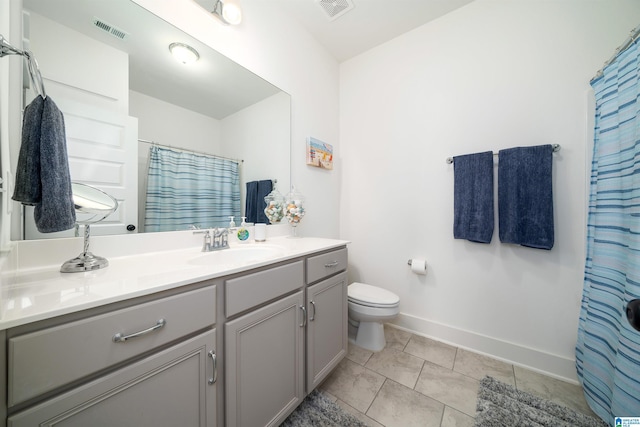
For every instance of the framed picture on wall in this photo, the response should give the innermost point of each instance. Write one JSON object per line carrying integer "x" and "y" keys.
{"x": 319, "y": 154}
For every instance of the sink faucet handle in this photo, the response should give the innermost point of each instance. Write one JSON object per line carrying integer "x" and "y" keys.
{"x": 217, "y": 232}
{"x": 220, "y": 239}
{"x": 206, "y": 244}
{"x": 215, "y": 241}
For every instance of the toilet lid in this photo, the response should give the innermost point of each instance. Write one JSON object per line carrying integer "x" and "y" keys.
{"x": 371, "y": 295}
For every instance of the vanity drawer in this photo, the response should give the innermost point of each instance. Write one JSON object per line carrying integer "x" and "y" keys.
{"x": 254, "y": 289}
{"x": 45, "y": 360}
{"x": 325, "y": 265}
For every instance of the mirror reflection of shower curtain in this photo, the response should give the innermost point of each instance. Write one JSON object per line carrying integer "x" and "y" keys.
{"x": 187, "y": 189}
{"x": 608, "y": 347}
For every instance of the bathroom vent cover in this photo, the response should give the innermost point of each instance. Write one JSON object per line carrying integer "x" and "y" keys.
{"x": 114, "y": 31}
{"x": 335, "y": 8}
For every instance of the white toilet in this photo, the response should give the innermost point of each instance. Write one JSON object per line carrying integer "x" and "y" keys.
{"x": 369, "y": 306}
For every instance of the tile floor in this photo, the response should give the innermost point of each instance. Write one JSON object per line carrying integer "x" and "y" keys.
{"x": 416, "y": 381}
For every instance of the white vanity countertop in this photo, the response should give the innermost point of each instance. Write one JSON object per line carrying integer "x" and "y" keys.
{"x": 39, "y": 294}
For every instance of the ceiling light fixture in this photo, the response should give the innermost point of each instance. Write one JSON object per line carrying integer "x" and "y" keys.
{"x": 184, "y": 53}
{"x": 228, "y": 11}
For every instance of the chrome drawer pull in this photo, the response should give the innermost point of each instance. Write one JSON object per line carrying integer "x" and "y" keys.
{"x": 214, "y": 360}
{"x": 122, "y": 338}
{"x": 304, "y": 316}
{"x": 332, "y": 264}
{"x": 313, "y": 316}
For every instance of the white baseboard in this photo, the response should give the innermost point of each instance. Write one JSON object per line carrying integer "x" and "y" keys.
{"x": 549, "y": 364}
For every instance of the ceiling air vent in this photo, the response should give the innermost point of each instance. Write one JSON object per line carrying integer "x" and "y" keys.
{"x": 335, "y": 8}
{"x": 114, "y": 31}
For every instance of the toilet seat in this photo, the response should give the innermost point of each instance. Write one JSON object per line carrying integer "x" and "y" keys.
{"x": 371, "y": 296}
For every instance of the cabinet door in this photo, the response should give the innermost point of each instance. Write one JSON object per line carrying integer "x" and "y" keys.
{"x": 170, "y": 388}
{"x": 264, "y": 364}
{"x": 327, "y": 328}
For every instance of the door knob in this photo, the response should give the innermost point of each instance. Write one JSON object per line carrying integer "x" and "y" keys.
{"x": 633, "y": 313}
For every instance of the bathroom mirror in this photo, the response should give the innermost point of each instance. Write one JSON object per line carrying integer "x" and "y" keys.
{"x": 107, "y": 66}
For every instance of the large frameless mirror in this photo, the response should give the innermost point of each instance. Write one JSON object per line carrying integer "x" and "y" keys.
{"x": 108, "y": 67}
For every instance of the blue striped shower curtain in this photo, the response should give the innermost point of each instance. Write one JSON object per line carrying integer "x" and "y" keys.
{"x": 608, "y": 348}
{"x": 187, "y": 189}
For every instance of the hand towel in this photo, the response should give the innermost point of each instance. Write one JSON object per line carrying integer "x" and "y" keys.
{"x": 525, "y": 196}
{"x": 255, "y": 204}
{"x": 42, "y": 174}
{"x": 473, "y": 197}
{"x": 28, "y": 186}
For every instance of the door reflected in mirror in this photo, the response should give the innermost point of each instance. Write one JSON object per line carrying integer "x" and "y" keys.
{"x": 119, "y": 92}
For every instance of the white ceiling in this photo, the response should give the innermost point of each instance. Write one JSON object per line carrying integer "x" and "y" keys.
{"x": 368, "y": 24}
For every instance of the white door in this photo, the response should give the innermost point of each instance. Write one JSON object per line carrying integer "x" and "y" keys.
{"x": 103, "y": 152}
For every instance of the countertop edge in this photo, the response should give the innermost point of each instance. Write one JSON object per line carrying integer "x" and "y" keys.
{"x": 188, "y": 278}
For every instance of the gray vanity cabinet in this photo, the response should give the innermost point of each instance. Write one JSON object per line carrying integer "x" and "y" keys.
{"x": 265, "y": 363}
{"x": 144, "y": 362}
{"x": 283, "y": 336}
{"x": 241, "y": 350}
{"x": 264, "y": 345}
{"x": 167, "y": 389}
{"x": 326, "y": 328}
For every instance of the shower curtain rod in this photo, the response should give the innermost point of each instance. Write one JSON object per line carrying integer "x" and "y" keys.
{"x": 239, "y": 161}
{"x": 633, "y": 36}
{"x": 556, "y": 148}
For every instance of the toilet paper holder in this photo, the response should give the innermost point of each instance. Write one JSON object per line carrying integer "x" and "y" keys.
{"x": 418, "y": 266}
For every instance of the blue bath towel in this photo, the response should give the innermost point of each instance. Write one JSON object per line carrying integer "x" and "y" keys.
{"x": 255, "y": 204}
{"x": 525, "y": 196}
{"x": 42, "y": 172}
{"x": 473, "y": 197}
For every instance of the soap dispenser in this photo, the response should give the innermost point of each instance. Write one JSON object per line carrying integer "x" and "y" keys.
{"x": 243, "y": 231}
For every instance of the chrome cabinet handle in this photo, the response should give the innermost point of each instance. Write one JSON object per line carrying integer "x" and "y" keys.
{"x": 119, "y": 337}
{"x": 214, "y": 361}
{"x": 332, "y": 264}
{"x": 313, "y": 316}
{"x": 304, "y": 316}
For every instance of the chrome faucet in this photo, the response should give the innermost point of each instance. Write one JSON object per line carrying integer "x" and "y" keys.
{"x": 219, "y": 240}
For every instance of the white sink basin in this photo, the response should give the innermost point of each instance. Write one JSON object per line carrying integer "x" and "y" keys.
{"x": 238, "y": 255}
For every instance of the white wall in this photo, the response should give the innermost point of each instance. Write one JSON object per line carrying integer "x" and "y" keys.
{"x": 283, "y": 53}
{"x": 168, "y": 124}
{"x": 494, "y": 74}
{"x": 260, "y": 135}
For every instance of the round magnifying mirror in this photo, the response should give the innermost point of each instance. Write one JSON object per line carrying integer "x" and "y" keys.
{"x": 92, "y": 205}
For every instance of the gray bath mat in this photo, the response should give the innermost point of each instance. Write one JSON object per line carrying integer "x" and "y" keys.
{"x": 317, "y": 410}
{"x": 501, "y": 405}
